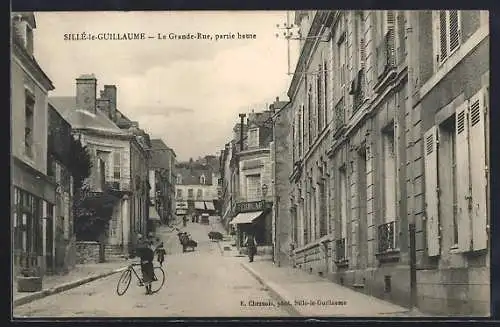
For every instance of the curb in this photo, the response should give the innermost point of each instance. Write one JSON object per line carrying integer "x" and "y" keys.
{"x": 273, "y": 289}
{"x": 63, "y": 287}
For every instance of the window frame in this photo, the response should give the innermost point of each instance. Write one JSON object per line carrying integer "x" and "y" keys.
{"x": 440, "y": 61}
{"x": 29, "y": 119}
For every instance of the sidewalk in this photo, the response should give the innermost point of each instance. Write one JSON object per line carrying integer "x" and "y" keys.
{"x": 311, "y": 295}
{"x": 81, "y": 274}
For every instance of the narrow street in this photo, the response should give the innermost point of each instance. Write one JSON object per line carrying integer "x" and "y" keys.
{"x": 202, "y": 283}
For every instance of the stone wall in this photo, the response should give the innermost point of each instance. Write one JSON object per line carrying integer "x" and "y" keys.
{"x": 87, "y": 252}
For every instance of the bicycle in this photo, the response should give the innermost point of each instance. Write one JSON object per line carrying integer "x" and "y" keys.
{"x": 126, "y": 278}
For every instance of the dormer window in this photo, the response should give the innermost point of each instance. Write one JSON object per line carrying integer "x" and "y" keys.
{"x": 202, "y": 179}
{"x": 253, "y": 138}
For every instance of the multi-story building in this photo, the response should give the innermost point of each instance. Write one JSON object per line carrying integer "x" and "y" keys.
{"x": 60, "y": 239}
{"x": 33, "y": 193}
{"x": 195, "y": 189}
{"x": 248, "y": 179}
{"x": 448, "y": 158}
{"x": 282, "y": 166}
{"x": 162, "y": 179}
{"x": 119, "y": 177}
{"x": 370, "y": 208}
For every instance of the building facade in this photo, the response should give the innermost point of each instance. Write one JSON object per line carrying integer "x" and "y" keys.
{"x": 60, "y": 242}
{"x": 195, "y": 188}
{"x": 368, "y": 101}
{"x": 33, "y": 193}
{"x": 118, "y": 183}
{"x": 162, "y": 167}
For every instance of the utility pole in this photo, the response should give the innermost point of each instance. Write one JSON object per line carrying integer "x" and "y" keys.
{"x": 287, "y": 34}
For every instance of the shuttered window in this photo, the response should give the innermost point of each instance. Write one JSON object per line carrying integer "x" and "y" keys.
{"x": 463, "y": 181}
{"x": 448, "y": 33}
{"x": 431, "y": 192}
{"x": 389, "y": 176}
{"x": 478, "y": 172}
{"x": 253, "y": 187}
{"x": 326, "y": 92}
{"x": 319, "y": 97}
{"x": 117, "y": 165}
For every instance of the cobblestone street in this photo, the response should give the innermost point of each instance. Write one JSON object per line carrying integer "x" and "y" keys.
{"x": 202, "y": 283}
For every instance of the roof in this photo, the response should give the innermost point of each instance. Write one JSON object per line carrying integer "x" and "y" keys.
{"x": 79, "y": 118}
{"x": 158, "y": 144}
{"x": 191, "y": 175}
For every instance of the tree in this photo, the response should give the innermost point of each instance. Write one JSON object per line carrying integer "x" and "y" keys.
{"x": 80, "y": 163}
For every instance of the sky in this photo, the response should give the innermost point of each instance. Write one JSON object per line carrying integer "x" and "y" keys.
{"x": 187, "y": 92}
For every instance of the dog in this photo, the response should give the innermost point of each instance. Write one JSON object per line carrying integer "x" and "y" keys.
{"x": 215, "y": 236}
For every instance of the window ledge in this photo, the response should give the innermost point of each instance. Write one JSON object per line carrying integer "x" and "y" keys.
{"x": 386, "y": 78}
{"x": 389, "y": 255}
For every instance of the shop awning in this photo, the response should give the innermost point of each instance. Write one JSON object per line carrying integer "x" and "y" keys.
{"x": 153, "y": 214}
{"x": 245, "y": 217}
{"x": 199, "y": 205}
{"x": 209, "y": 205}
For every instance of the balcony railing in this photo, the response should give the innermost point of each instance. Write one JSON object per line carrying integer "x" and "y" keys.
{"x": 387, "y": 237}
{"x": 340, "y": 251}
{"x": 358, "y": 91}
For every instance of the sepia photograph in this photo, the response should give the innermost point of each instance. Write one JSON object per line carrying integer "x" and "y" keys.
{"x": 307, "y": 163}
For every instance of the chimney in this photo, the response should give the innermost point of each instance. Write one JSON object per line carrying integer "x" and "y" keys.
{"x": 86, "y": 89}
{"x": 110, "y": 94}
{"x": 104, "y": 105}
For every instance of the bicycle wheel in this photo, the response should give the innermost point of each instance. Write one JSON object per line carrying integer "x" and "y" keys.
{"x": 157, "y": 284}
{"x": 124, "y": 282}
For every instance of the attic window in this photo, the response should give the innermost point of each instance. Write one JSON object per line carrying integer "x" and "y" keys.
{"x": 202, "y": 179}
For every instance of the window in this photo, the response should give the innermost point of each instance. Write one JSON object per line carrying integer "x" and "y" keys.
{"x": 295, "y": 137}
{"x": 323, "y": 215}
{"x": 199, "y": 194}
{"x": 310, "y": 114}
{"x": 29, "y": 120}
{"x": 253, "y": 187}
{"x": 190, "y": 193}
{"x": 389, "y": 175}
{"x": 319, "y": 98}
{"x": 253, "y": 138}
{"x": 116, "y": 165}
{"x": 341, "y": 222}
{"x": 202, "y": 179}
{"x": 448, "y": 25}
{"x": 341, "y": 49}
{"x": 179, "y": 193}
{"x": 301, "y": 130}
{"x": 386, "y": 55}
{"x": 27, "y": 223}
{"x": 179, "y": 179}
{"x": 326, "y": 93}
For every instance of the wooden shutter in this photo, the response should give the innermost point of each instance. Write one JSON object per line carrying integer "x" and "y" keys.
{"x": 391, "y": 49}
{"x": 454, "y": 29}
{"x": 478, "y": 171}
{"x": 462, "y": 182}
{"x": 443, "y": 42}
{"x": 431, "y": 192}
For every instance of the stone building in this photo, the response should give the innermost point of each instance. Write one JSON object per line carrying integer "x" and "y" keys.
{"x": 33, "y": 193}
{"x": 162, "y": 179}
{"x": 119, "y": 177}
{"x": 195, "y": 189}
{"x": 371, "y": 93}
{"x": 60, "y": 237}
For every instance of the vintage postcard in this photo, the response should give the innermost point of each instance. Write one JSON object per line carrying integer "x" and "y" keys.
{"x": 250, "y": 164}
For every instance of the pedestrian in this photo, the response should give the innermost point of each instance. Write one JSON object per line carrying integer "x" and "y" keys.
{"x": 251, "y": 245}
{"x": 145, "y": 251}
{"x": 160, "y": 251}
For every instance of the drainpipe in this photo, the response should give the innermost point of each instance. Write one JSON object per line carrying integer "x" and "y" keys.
{"x": 242, "y": 122}
{"x": 411, "y": 224}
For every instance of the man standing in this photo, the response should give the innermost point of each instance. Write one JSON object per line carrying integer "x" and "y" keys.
{"x": 251, "y": 245}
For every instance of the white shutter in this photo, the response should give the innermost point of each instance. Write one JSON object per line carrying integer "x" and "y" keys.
{"x": 463, "y": 193}
{"x": 431, "y": 192}
{"x": 478, "y": 171}
{"x": 391, "y": 48}
{"x": 443, "y": 42}
{"x": 454, "y": 29}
